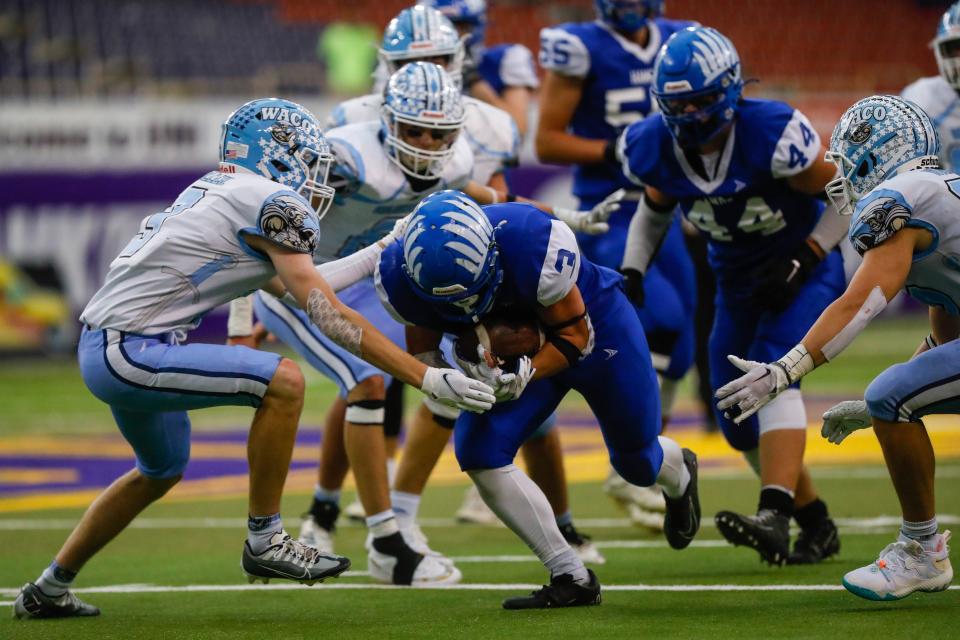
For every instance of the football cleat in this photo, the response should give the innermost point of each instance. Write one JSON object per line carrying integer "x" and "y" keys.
{"x": 582, "y": 544}
{"x": 682, "y": 520}
{"x": 561, "y": 592}
{"x": 815, "y": 544}
{"x": 31, "y": 603}
{"x": 903, "y": 567}
{"x": 768, "y": 533}
{"x": 417, "y": 540}
{"x": 313, "y": 535}
{"x": 412, "y": 569}
{"x": 354, "y": 512}
{"x": 474, "y": 510}
{"x": 289, "y": 559}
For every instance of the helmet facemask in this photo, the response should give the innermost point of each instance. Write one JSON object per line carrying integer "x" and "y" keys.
{"x": 947, "y": 52}
{"x": 300, "y": 161}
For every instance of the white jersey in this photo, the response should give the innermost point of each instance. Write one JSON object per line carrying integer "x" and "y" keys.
{"x": 928, "y": 199}
{"x": 191, "y": 257}
{"x": 376, "y": 192}
{"x": 941, "y": 103}
{"x": 491, "y": 132}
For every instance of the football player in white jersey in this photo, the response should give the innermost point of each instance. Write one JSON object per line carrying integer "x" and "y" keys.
{"x": 384, "y": 168}
{"x": 252, "y": 224}
{"x": 906, "y": 225}
{"x": 938, "y": 95}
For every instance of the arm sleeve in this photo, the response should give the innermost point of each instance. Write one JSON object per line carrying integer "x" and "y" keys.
{"x": 644, "y": 236}
{"x": 797, "y": 148}
{"x": 564, "y": 53}
{"x": 831, "y": 228}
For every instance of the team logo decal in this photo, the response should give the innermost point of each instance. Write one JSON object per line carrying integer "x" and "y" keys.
{"x": 885, "y": 217}
{"x": 286, "y": 221}
{"x": 861, "y": 133}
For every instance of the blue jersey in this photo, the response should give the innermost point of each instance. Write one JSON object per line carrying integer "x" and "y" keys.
{"x": 508, "y": 65}
{"x": 748, "y": 211}
{"x": 540, "y": 260}
{"x": 616, "y": 75}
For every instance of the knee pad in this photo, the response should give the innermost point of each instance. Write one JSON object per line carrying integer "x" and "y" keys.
{"x": 393, "y": 410}
{"x": 786, "y": 411}
{"x": 367, "y": 413}
{"x": 443, "y": 415}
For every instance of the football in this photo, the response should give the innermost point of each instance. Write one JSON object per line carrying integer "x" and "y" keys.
{"x": 506, "y": 336}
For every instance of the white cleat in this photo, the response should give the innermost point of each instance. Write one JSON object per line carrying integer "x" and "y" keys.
{"x": 902, "y": 568}
{"x": 417, "y": 540}
{"x": 430, "y": 572}
{"x": 313, "y": 535}
{"x": 474, "y": 510}
{"x": 354, "y": 511}
{"x": 644, "y": 505}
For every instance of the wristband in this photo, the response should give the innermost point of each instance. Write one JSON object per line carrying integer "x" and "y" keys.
{"x": 240, "y": 320}
{"x": 796, "y": 363}
{"x": 931, "y": 341}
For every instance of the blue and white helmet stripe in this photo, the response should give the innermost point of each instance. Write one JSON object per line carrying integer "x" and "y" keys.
{"x": 469, "y": 12}
{"x": 423, "y": 95}
{"x": 946, "y": 47}
{"x": 450, "y": 255}
{"x": 876, "y": 139}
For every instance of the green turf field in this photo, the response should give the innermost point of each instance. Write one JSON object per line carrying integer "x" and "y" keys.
{"x": 177, "y": 575}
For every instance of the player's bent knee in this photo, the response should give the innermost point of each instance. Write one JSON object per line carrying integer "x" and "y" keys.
{"x": 637, "y": 467}
{"x": 371, "y": 388}
{"x": 882, "y": 396}
{"x": 157, "y": 485}
{"x": 287, "y": 382}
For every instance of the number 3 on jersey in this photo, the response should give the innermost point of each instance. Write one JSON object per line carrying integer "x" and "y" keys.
{"x": 152, "y": 224}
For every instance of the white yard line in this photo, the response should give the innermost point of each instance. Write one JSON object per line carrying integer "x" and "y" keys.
{"x": 880, "y": 523}
{"x": 216, "y": 588}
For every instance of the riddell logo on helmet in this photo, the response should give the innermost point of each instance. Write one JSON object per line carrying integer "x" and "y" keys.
{"x": 449, "y": 290}
{"x": 436, "y": 115}
{"x": 677, "y": 86}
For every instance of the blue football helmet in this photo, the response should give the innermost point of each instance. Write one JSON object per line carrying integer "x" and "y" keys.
{"x": 697, "y": 84}
{"x": 422, "y": 33}
{"x": 421, "y": 100}
{"x": 469, "y": 16}
{"x": 282, "y": 141}
{"x": 876, "y": 139}
{"x": 450, "y": 256}
{"x": 946, "y": 46}
{"x": 628, "y": 15}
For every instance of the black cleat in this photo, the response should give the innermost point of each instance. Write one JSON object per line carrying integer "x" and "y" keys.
{"x": 816, "y": 544}
{"x": 682, "y": 519}
{"x": 35, "y": 604}
{"x": 561, "y": 592}
{"x": 768, "y": 533}
{"x": 289, "y": 559}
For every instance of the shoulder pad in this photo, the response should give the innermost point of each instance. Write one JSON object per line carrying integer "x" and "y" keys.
{"x": 877, "y": 217}
{"x": 286, "y": 219}
{"x": 517, "y": 68}
{"x": 563, "y": 52}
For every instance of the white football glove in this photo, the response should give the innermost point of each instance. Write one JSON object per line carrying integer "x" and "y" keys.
{"x": 510, "y": 385}
{"x": 481, "y": 369}
{"x": 744, "y": 396}
{"x": 594, "y": 221}
{"x": 454, "y": 389}
{"x": 842, "y": 419}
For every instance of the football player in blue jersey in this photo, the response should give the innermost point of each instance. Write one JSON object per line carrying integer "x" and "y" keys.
{"x": 597, "y": 82}
{"x": 455, "y": 264}
{"x": 254, "y": 223}
{"x": 938, "y": 96}
{"x": 750, "y": 175}
{"x": 502, "y": 75}
{"x": 905, "y": 214}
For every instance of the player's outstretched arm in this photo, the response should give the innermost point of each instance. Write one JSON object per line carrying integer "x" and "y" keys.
{"x": 559, "y": 98}
{"x": 354, "y": 333}
{"x": 646, "y": 232}
{"x": 881, "y": 275}
{"x": 591, "y": 221}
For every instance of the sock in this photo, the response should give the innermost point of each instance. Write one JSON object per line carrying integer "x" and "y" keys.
{"x": 674, "y": 476}
{"x": 405, "y": 506}
{"x": 521, "y": 505}
{"x": 923, "y": 532}
{"x": 811, "y": 515}
{"x": 383, "y": 524}
{"x": 260, "y": 529}
{"x": 391, "y": 471}
{"x": 565, "y": 520}
{"x": 55, "y": 580}
{"x": 326, "y": 495}
{"x": 773, "y": 497}
{"x": 325, "y": 513}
